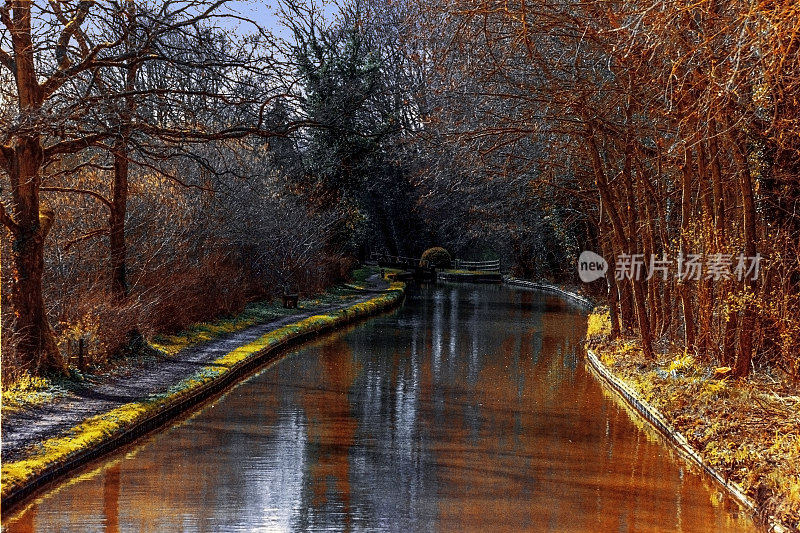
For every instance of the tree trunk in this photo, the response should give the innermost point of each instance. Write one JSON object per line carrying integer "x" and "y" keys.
{"x": 611, "y": 282}
{"x": 649, "y": 250}
{"x": 717, "y": 188}
{"x": 623, "y": 242}
{"x": 706, "y": 289}
{"x": 638, "y": 284}
{"x": 747, "y": 320}
{"x": 683, "y": 284}
{"x": 119, "y": 203}
{"x": 36, "y": 346}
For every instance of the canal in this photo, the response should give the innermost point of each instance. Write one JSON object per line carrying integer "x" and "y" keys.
{"x": 470, "y": 408}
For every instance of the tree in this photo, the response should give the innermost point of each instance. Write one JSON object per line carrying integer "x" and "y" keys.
{"x": 78, "y": 72}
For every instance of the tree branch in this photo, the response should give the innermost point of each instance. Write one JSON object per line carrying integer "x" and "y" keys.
{"x": 75, "y": 145}
{"x": 5, "y": 15}
{"x": 6, "y": 60}
{"x": 93, "y": 194}
{"x": 7, "y": 221}
{"x": 87, "y": 236}
{"x": 61, "y": 75}
{"x": 69, "y": 30}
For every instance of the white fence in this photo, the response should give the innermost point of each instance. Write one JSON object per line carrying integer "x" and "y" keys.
{"x": 485, "y": 266}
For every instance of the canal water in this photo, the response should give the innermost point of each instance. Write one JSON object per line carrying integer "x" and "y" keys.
{"x": 470, "y": 408}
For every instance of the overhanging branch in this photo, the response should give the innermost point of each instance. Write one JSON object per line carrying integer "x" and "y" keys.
{"x": 87, "y": 192}
{"x": 7, "y": 221}
{"x": 6, "y": 60}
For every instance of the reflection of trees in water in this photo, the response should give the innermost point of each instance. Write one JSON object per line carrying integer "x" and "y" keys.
{"x": 389, "y": 465}
{"x": 331, "y": 429}
{"x": 111, "y": 498}
{"x": 363, "y": 431}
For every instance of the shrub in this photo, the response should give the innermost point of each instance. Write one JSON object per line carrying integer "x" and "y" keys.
{"x": 437, "y": 257}
{"x": 599, "y": 323}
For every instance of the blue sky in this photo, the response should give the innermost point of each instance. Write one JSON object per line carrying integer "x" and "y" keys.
{"x": 261, "y": 12}
{"x": 264, "y": 13}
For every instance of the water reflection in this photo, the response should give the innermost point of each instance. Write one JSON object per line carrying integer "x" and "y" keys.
{"x": 466, "y": 410}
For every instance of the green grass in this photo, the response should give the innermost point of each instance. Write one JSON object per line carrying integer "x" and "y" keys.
{"x": 96, "y": 429}
{"x": 29, "y": 392}
{"x": 361, "y": 274}
{"x": 255, "y": 313}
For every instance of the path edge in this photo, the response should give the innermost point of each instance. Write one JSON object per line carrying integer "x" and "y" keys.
{"x": 182, "y": 401}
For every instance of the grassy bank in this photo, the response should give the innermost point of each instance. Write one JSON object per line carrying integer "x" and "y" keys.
{"x": 95, "y": 431}
{"x": 747, "y": 430}
{"x": 30, "y": 392}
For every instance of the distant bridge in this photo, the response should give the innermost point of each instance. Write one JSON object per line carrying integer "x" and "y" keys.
{"x": 482, "y": 266}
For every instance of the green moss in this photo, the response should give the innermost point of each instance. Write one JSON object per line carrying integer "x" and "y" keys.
{"x": 90, "y": 432}
{"x": 29, "y": 391}
{"x": 96, "y": 429}
{"x": 362, "y": 274}
{"x": 254, "y": 313}
{"x": 257, "y": 313}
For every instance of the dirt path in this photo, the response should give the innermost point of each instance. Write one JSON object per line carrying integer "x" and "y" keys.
{"x": 27, "y": 427}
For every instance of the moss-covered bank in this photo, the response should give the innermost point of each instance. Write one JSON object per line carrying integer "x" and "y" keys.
{"x": 30, "y": 392}
{"x": 745, "y": 431}
{"x": 102, "y": 433}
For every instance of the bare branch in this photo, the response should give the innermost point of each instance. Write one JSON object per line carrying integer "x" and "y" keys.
{"x": 79, "y": 35}
{"x": 86, "y": 192}
{"x": 6, "y": 60}
{"x": 7, "y": 221}
{"x": 69, "y": 30}
{"x": 5, "y": 15}
{"x": 93, "y": 233}
{"x": 76, "y": 145}
{"x": 88, "y": 62}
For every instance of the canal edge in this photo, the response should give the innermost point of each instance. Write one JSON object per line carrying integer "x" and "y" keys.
{"x": 676, "y": 439}
{"x": 181, "y": 401}
{"x": 582, "y": 301}
{"x": 646, "y": 411}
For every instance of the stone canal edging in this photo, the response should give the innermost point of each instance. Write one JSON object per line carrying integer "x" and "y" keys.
{"x": 101, "y": 434}
{"x": 646, "y": 411}
{"x": 674, "y": 437}
{"x": 584, "y": 302}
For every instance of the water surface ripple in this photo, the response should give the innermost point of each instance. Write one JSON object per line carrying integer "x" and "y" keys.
{"x": 468, "y": 409}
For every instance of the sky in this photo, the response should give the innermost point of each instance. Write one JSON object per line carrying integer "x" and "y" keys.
{"x": 265, "y": 14}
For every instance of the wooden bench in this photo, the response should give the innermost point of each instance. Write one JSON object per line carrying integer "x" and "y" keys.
{"x": 290, "y": 294}
{"x": 290, "y": 301}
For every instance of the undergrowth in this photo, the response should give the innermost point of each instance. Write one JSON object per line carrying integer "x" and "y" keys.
{"x": 98, "y": 428}
{"x": 748, "y": 430}
{"x": 28, "y": 392}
